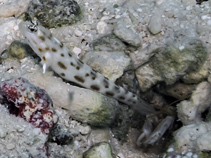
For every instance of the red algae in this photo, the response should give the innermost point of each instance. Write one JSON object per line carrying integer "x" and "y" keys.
{"x": 28, "y": 102}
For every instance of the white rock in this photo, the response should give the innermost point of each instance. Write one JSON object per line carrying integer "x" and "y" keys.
{"x": 170, "y": 150}
{"x": 189, "y": 111}
{"x": 12, "y": 7}
{"x": 19, "y": 144}
{"x": 8, "y": 33}
{"x": 194, "y": 137}
{"x": 203, "y": 142}
{"x": 102, "y": 27}
{"x": 77, "y": 51}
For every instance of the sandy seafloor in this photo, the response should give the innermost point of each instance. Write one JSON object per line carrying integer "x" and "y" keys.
{"x": 146, "y": 25}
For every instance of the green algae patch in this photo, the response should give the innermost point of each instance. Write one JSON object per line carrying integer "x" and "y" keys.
{"x": 173, "y": 61}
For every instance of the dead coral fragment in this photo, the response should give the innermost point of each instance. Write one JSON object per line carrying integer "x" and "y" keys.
{"x": 29, "y": 102}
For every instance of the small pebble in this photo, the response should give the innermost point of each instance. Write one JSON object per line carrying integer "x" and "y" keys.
{"x": 10, "y": 146}
{"x": 181, "y": 47}
{"x": 84, "y": 130}
{"x": 102, "y": 27}
{"x": 155, "y": 23}
{"x": 77, "y": 51}
{"x": 2, "y": 133}
{"x": 16, "y": 27}
{"x": 170, "y": 150}
{"x": 195, "y": 156}
{"x": 204, "y": 17}
{"x": 78, "y": 33}
{"x": 189, "y": 154}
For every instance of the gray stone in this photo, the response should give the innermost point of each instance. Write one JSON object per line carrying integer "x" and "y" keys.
{"x": 179, "y": 91}
{"x": 142, "y": 55}
{"x": 146, "y": 77}
{"x": 108, "y": 43}
{"x": 154, "y": 25}
{"x": 110, "y": 64}
{"x": 126, "y": 34}
{"x": 101, "y": 150}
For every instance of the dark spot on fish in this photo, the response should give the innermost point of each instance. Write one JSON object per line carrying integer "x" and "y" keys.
{"x": 50, "y": 36}
{"x": 116, "y": 88}
{"x": 87, "y": 75}
{"x": 40, "y": 49}
{"x": 44, "y": 58}
{"x": 80, "y": 63}
{"x": 109, "y": 94}
{"x": 62, "y": 55}
{"x": 134, "y": 102}
{"x": 79, "y": 79}
{"x": 61, "y": 45}
{"x": 54, "y": 49}
{"x": 106, "y": 83}
{"x": 134, "y": 95}
{"x": 95, "y": 87}
{"x": 42, "y": 38}
{"x": 47, "y": 48}
{"x": 93, "y": 75}
{"x": 61, "y": 65}
{"x": 71, "y": 63}
{"x": 121, "y": 97}
{"x": 70, "y": 55}
{"x": 77, "y": 67}
{"x": 62, "y": 74}
{"x": 129, "y": 100}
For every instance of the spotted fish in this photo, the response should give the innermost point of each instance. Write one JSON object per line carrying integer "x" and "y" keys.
{"x": 65, "y": 63}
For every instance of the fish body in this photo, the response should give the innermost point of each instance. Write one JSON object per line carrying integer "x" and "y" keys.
{"x": 65, "y": 63}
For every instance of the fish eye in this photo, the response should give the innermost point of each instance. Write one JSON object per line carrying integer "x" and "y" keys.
{"x": 32, "y": 28}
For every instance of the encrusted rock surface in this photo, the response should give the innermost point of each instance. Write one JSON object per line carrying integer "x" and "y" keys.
{"x": 172, "y": 62}
{"x": 54, "y": 13}
{"x": 28, "y": 102}
{"x": 126, "y": 34}
{"x": 110, "y": 64}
